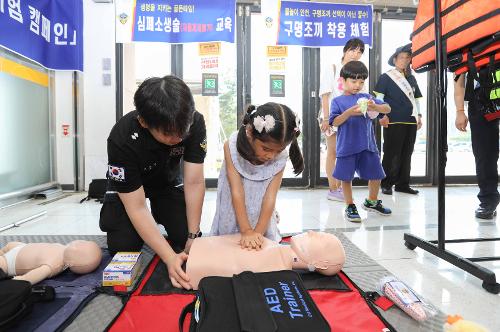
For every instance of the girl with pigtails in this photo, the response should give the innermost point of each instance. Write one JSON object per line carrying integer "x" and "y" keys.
{"x": 254, "y": 161}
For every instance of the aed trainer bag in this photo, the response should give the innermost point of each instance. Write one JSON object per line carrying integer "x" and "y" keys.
{"x": 156, "y": 305}
{"x": 254, "y": 302}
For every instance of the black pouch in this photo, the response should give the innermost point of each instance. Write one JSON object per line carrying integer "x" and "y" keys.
{"x": 254, "y": 302}
{"x": 487, "y": 96}
{"x": 97, "y": 190}
{"x": 17, "y": 298}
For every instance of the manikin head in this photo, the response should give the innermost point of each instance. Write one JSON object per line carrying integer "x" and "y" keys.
{"x": 82, "y": 256}
{"x": 322, "y": 252}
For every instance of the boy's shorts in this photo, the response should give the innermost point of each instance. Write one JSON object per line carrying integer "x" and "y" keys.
{"x": 366, "y": 164}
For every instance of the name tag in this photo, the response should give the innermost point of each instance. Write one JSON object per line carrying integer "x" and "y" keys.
{"x": 177, "y": 151}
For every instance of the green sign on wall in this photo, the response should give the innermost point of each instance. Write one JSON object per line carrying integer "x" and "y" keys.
{"x": 277, "y": 85}
{"x": 209, "y": 84}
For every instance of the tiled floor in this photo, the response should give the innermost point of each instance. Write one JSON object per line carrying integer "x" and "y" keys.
{"x": 446, "y": 286}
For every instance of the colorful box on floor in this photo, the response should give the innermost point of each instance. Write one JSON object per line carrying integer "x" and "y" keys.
{"x": 122, "y": 269}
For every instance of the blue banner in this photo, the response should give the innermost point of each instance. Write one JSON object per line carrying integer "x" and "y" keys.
{"x": 184, "y": 21}
{"x": 323, "y": 24}
{"x": 48, "y": 32}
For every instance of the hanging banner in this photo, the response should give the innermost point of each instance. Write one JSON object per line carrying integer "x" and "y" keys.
{"x": 323, "y": 24}
{"x": 48, "y": 32}
{"x": 180, "y": 21}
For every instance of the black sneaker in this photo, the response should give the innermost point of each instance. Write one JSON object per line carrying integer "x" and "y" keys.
{"x": 351, "y": 213}
{"x": 378, "y": 208}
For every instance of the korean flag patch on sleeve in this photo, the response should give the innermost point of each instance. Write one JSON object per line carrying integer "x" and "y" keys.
{"x": 116, "y": 173}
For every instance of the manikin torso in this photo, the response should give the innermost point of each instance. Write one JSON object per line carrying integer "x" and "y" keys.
{"x": 223, "y": 256}
{"x": 34, "y": 255}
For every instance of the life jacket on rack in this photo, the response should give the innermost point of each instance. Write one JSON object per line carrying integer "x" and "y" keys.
{"x": 480, "y": 51}
{"x": 464, "y": 22}
{"x": 471, "y": 42}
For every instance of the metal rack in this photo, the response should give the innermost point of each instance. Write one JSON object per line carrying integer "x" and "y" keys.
{"x": 437, "y": 248}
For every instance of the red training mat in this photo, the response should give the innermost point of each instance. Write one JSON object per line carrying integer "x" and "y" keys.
{"x": 344, "y": 311}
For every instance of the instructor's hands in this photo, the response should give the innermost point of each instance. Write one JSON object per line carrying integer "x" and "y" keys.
{"x": 177, "y": 276}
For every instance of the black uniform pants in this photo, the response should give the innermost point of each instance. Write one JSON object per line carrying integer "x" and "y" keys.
{"x": 399, "y": 141}
{"x": 167, "y": 208}
{"x": 484, "y": 136}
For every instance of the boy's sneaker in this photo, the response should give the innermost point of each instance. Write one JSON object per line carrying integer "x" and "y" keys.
{"x": 378, "y": 208}
{"x": 351, "y": 213}
{"x": 335, "y": 195}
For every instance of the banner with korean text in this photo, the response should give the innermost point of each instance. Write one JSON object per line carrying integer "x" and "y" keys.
{"x": 175, "y": 21}
{"x": 323, "y": 24}
{"x": 48, "y": 32}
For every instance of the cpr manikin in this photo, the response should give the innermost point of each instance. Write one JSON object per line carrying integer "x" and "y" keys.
{"x": 35, "y": 262}
{"x": 223, "y": 256}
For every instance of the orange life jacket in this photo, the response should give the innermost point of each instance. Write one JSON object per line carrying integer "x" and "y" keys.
{"x": 463, "y": 23}
{"x": 478, "y": 54}
{"x": 480, "y": 61}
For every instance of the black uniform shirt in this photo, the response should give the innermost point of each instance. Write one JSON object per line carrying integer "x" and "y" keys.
{"x": 136, "y": 159}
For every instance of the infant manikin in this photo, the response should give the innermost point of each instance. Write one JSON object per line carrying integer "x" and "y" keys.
{"x": 35, "y": 262}
{"x": 223, "y": 256}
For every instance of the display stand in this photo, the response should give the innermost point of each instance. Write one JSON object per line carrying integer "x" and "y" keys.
{"x": 437, "y": 248}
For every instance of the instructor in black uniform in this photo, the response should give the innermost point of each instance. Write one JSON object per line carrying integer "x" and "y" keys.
{"x": 483, "y": 99}
{"x": 145, "y": 149}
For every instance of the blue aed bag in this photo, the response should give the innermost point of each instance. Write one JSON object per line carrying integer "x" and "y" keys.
{"x": 254, "y": 302}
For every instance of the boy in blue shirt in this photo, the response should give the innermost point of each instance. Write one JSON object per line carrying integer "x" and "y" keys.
{"x": 356, "y": 147}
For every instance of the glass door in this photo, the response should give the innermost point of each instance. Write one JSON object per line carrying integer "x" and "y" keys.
{"x": 276, "y": 75}
{"x": 330, "y": 56}
{"x": 224, "y": 78}
{"x": 209, "y": 69}
{"x": 396, "y": 33}
{"x": 460, "y": 160}
{"x": 25, "y": 124}
{"x": 141, "y": 61}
